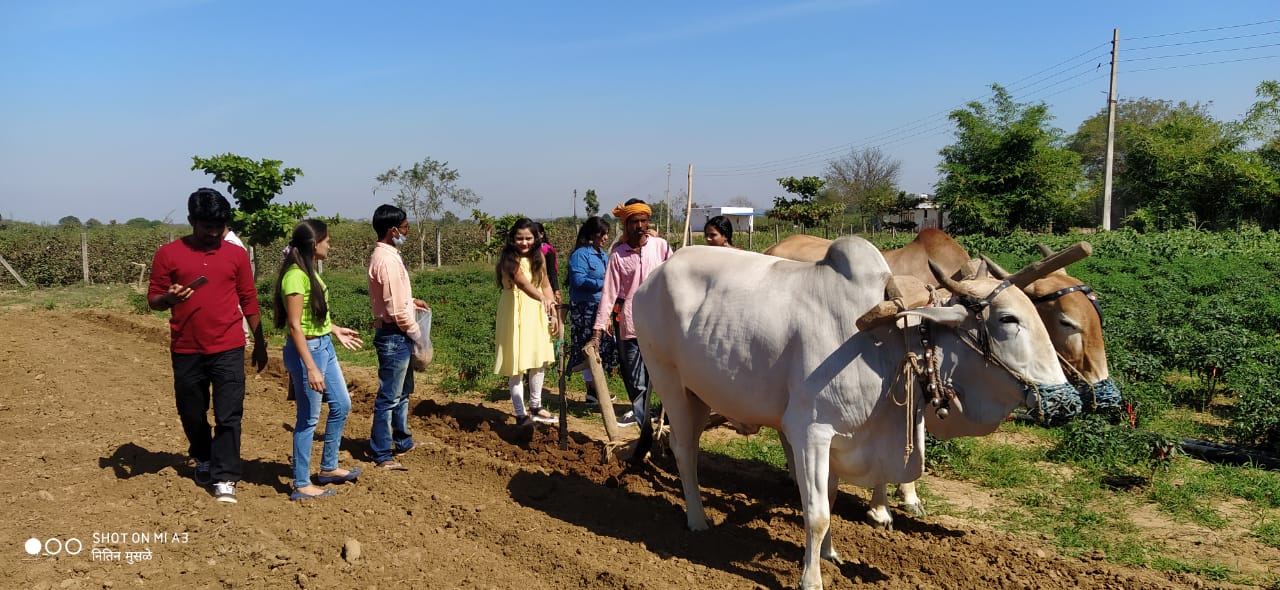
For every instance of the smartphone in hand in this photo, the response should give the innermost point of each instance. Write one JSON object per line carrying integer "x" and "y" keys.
{"x": 200, "y": 280}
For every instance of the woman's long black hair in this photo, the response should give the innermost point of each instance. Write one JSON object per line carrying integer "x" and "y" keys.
{"x": 302, "y": 253}
{"x": 509, "y": 259}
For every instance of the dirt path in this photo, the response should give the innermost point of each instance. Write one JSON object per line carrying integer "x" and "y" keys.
{"x": 93, "y": 448}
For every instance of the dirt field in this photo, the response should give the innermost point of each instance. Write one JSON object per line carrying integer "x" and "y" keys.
{"x": 94, "y": 449}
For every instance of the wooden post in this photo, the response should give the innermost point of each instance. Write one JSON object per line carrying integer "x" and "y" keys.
{"x": 775, "y": 233}
{"x": 12, "y": 272}
{"x": 437, "y": 247}
{"x": 688, "y": 209}
{"x": 84, "y": 255}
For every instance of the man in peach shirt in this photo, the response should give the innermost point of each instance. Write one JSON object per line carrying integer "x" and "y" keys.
{"x": 396, "y": 336}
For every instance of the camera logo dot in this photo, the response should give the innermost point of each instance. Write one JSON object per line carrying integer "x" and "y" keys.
{"x": 53, "y": 546}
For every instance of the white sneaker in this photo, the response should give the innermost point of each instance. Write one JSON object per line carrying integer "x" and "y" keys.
{"x": 225, "y": 491}
{"x": 627, "y": 420}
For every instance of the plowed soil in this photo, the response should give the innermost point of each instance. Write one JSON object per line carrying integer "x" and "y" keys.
{"x": 93, "y": 449}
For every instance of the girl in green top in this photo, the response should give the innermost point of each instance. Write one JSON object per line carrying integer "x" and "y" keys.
{"x": 302, "y": 303}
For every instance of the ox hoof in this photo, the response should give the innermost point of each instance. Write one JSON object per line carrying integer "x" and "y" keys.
{"x": 833, "y": 557}
{"x": 698, "y": 525}
{"x": 915, "y": 509}
{"x": 880, "y": 519}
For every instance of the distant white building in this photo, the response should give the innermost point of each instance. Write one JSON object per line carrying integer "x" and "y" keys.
{"x": 926, "y": 214}
{"x": 742, "y": 218}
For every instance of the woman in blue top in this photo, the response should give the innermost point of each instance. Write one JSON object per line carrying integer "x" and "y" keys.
{"x": 586, "y": 279}
{"x": 302, "y": 303}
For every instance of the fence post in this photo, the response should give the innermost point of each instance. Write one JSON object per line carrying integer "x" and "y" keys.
{"x": 84, "y": 255}
{"x": 438, "y": 247}
{"x": 12, "y": 272}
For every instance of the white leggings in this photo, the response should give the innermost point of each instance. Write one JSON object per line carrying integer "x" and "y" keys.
{"x": 516, "y": 383}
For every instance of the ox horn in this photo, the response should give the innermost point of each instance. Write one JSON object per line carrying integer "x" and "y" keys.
{"x": 901, "y": 293}
{"x": 943, "y": 279}
{"x": 1036, "y": 270}
{"x": 995, "y": 269}
{"x": 975, "y": 268}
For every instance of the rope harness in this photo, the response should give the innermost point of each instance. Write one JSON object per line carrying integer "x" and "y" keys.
{"x": 1103, "y": 395}
{"x": 1051, "y": 402}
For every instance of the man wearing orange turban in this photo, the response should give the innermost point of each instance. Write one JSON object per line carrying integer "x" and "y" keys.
{"x": 630, "y": 263}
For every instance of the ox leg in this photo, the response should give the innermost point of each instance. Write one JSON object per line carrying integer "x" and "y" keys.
{"x": 828, "y": 548}
{"x": 687, "y": 415}
{"x": 909, "y": 500}
{"x": 813, "y": 464}
{"x": 879, "y": 515}
{"x": 786, "y": 450}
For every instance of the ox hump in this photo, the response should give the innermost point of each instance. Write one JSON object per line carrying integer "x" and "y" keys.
{"x": 857, "y": 260}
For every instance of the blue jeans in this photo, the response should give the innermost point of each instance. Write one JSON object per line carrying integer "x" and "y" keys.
{"x": 309, "y": 401}
{"x": 635, "y": 376}
{"x": 395, "y": 385}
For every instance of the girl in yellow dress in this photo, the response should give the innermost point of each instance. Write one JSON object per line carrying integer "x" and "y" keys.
{"x": 526, "y": 321}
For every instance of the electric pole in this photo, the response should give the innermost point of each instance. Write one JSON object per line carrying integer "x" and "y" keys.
{"x": 1111, "y": 132}
{"x": 575, "y": 204}
{"x": 667, "y": 228}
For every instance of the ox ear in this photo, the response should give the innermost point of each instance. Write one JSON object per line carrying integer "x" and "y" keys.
{"x": 951, "y": 315}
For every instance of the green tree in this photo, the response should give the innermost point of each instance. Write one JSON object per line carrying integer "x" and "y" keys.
{"x": 253, "y": 185}
{"x": 864, "y": 181}
{"x": 806, "y": 209}
{"x": 1008, "y": 169}
{"x": 93, "y": 222}
{"x": 592, "y": 202}
{"x": 422, "y": 190}
{"x": 1192, "y": 170}
{"x": 70, "y": 221}
{"x": 1090, "y": 141}
{"x": 1262, "y": 122}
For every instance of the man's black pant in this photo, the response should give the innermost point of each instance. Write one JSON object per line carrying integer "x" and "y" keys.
{"x": 196, "y": 379}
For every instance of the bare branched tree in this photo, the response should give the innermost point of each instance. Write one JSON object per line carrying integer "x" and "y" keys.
{"x": 865, "y": 181}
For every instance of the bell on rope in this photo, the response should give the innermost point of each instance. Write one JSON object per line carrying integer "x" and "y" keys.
{"x": 942, "y": 413}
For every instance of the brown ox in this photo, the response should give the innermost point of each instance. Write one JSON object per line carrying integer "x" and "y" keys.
{"x": 1066, "y": 306}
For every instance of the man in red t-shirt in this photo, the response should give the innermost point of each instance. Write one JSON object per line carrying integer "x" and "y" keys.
{"x": 206, "y": 282}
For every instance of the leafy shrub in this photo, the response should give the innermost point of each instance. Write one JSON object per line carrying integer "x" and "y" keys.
{"x": 1254, "y": 419}
{"x": 1114, "y": 450}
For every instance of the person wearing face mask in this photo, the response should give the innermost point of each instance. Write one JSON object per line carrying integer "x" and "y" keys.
{"x": 396, "y": 336}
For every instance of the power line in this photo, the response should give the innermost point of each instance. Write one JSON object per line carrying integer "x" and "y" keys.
{"x": 1212, "y": 63}
{"x": 888, "y": 135}
{"x": 1204, "y": 52}
{"x": 1202, "y": 41}
{"x": 1264, "y": 22}
{"x": 1031, "y": 85}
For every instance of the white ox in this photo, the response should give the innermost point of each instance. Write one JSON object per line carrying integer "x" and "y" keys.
{"x": 767, "y": 341}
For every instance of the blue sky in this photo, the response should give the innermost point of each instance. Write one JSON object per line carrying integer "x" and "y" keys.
{"x": 105, "y": 101}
